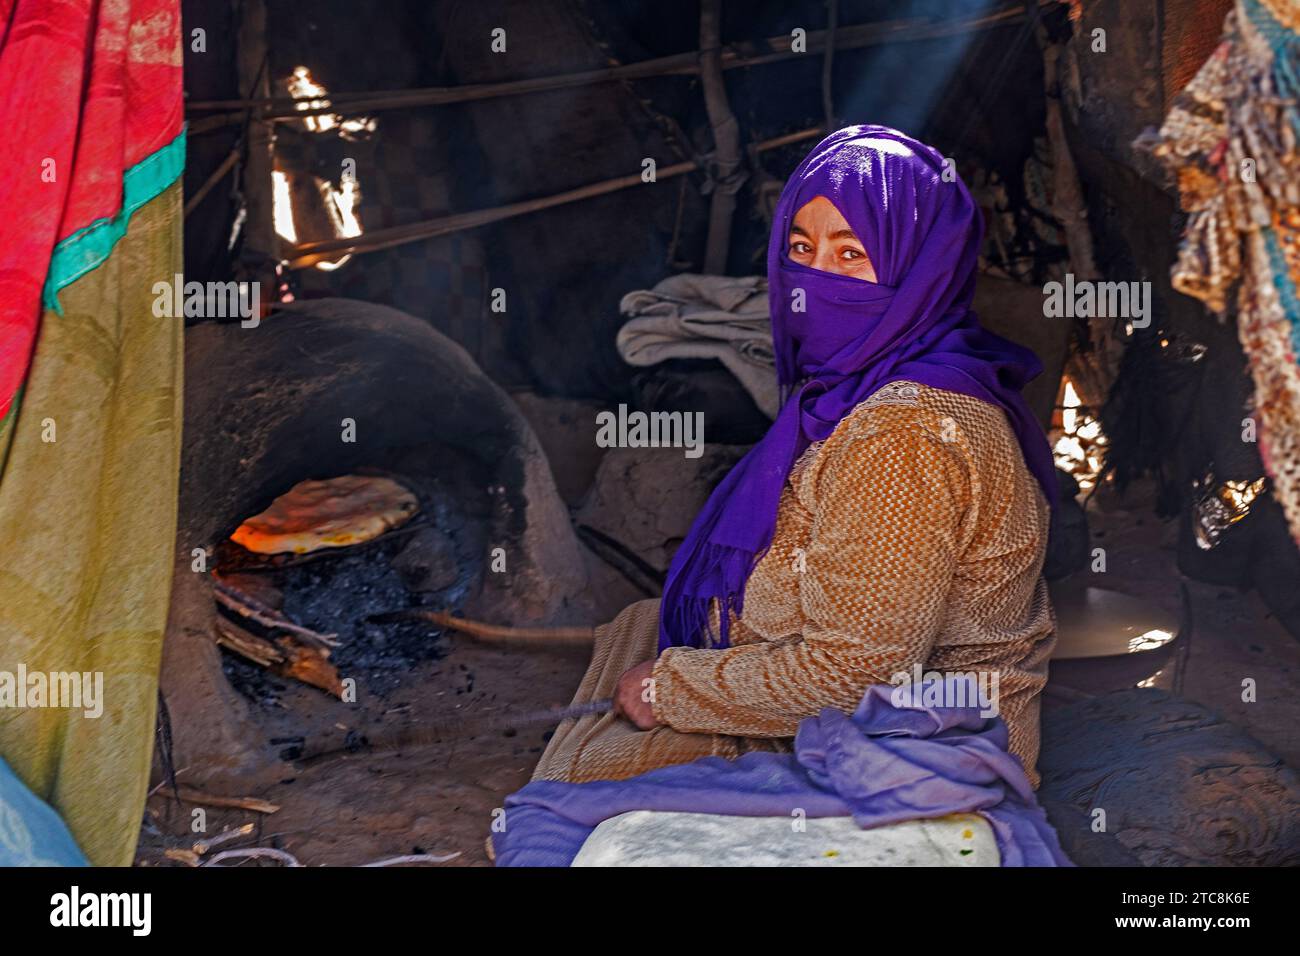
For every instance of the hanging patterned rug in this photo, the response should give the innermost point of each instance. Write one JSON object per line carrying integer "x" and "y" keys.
{"x": 1231, "y": 140}
{"x": 91, "y": 105}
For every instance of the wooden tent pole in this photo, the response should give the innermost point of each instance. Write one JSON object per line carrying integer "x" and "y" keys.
{"x": 828, "y": 64}
{"x": 734, "y": 56}
{"x": 1092, "y": 373}
{"x": 726, "y": 140}
{"x": 210, "y": 183}
{"x": 260, "y": 241}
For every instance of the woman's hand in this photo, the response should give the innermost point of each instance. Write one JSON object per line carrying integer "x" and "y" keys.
{"x": 634, "y": 696}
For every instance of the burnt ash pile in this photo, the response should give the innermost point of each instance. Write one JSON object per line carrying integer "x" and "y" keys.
{"x": 342, "y": 595}
{"x": 255, "y": 684}
{"x": 434, "y": 561}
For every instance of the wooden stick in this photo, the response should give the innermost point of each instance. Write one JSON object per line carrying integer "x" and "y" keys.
{"x": 245, "y": 605}
{"x": 201, "y": 847}
{"x": 218, "y": 174}
{"x": 495, "y": 633}
{"x": 288, "y": 859}
{"x": 828, "y": 63}
{"x": 261, "y": 242}
{"x": 191, "y": 795}
{"x": 283, "y": 656}
{"x": 311, "y": 666}
{"x": 414, "y": 858}
{"x": 256, "y": 649}
{"x": 648, "y": 579}
{"x": 301, "y": 255}
{"x": 726, "y": 139}
{"x": 464, "y": 726}
{"x": 307, "y": 253}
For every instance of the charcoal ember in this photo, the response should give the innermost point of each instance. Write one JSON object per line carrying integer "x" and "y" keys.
{"x": 255, "y": 684}
{"x": 342, "y": 594}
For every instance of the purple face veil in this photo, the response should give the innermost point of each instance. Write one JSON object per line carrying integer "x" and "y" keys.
{"x": 838, "y": 339}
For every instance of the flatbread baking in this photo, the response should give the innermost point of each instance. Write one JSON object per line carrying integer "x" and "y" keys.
{"x": 335, "y": 513}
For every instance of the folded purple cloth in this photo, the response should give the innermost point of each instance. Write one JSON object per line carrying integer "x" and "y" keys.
{"x": 884, "y": 764}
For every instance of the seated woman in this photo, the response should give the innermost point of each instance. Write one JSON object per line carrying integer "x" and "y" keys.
{"x": 895, "y": 514}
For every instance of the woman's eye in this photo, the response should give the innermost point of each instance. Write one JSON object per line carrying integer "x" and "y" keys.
{"x": 852, "y": 254}
{"x": 800, "y": 249}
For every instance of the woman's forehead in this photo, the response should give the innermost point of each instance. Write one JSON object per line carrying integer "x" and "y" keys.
{"x": 820, "y": 211}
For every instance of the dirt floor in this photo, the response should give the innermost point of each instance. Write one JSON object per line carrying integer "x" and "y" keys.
{"x": 1233, "y": 635}
{"x": 434, "y": 799}
{"x": 440, "y": 798}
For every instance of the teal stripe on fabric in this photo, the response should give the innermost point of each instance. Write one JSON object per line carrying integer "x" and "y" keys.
{"x": 1285, "y": 47}
{"x": 89, "y": 247}
{"x": 1286, "y": 290}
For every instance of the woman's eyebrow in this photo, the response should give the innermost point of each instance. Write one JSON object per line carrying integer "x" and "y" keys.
{"x": 839, "y": 234}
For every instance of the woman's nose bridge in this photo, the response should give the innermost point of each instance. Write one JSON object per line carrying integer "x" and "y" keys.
{"x": 824, "y": 259}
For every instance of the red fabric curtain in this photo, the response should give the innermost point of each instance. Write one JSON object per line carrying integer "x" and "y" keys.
{"x": 88, "y": 88}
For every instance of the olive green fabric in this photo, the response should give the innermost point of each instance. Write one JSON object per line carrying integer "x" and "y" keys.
{"x": 88, "y": 496}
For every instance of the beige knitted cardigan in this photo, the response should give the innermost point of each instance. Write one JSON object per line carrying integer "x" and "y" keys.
{"x": 913, "y": 535}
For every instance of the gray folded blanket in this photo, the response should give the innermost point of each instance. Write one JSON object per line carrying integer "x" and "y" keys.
{"x": 702, "y": 316}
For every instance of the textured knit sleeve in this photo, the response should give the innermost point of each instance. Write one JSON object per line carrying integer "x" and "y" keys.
{"x": 877, "y": 572}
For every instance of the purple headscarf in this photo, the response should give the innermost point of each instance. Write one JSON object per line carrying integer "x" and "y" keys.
{"x": 922, "y": 233}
